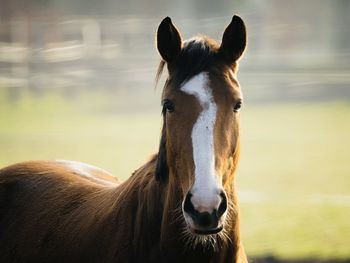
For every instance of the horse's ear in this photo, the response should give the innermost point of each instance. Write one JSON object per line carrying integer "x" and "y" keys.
{"x": 169, "y": 40}
{"x": 162, "y": 169}
{"x": 234, "y": 40}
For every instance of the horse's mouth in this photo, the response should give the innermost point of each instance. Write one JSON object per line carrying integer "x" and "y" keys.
{"x": 196, "y": 229}
{"x": 207, "y": 231}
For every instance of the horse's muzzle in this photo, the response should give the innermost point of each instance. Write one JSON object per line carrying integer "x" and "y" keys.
{"x": 204, "y": 223}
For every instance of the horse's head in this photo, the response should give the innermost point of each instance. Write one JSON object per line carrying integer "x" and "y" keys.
{"x": 201, "y": 102}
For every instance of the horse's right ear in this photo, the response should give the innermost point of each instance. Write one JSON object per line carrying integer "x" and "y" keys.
{"x": 169, "y": 40}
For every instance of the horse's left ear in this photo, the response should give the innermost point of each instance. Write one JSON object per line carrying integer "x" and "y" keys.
{"x": 234, "y": 40}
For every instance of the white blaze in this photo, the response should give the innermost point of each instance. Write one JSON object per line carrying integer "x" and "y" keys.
{"x": 205, "y": 195}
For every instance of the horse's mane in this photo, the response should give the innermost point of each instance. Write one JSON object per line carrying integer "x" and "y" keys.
{"x": 197, "y": 55}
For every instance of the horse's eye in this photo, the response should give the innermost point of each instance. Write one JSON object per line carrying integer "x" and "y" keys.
{"x": 237, "y": 106}
{"x": 168, "y": 106}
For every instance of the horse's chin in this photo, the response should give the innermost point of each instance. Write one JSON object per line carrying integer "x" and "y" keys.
{"x": 206, "y": 239}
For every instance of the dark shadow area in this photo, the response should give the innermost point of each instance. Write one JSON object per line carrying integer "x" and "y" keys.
{"x": 273, "y": 259}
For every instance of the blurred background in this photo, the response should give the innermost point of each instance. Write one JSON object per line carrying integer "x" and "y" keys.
{"x": 77, "y": 82}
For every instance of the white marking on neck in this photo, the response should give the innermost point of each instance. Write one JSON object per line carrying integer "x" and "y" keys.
{"x": 87, "y": 170}
{"x": 205, "y": 189}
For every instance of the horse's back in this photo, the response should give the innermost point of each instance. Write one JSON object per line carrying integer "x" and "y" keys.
{"x": 72, "y": 171}
{"x": 46, "y": 206}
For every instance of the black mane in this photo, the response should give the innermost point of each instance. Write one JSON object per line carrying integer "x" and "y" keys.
{"x": 196, "y": 55}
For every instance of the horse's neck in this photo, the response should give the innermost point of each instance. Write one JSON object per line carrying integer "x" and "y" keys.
{"x": 137, "y": 211}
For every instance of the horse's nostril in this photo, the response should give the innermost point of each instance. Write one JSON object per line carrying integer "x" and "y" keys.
{"x": 223, "y": 204}
{"x": 188, "y": 206}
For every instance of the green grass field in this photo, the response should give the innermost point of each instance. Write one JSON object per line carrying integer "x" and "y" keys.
{"x": 294, "y": 174}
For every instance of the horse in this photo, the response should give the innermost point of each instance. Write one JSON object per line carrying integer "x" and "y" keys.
{"x": 180, "y": 206}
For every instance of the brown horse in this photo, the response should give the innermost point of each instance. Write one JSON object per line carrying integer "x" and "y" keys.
{"x": 181, "y": 206}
